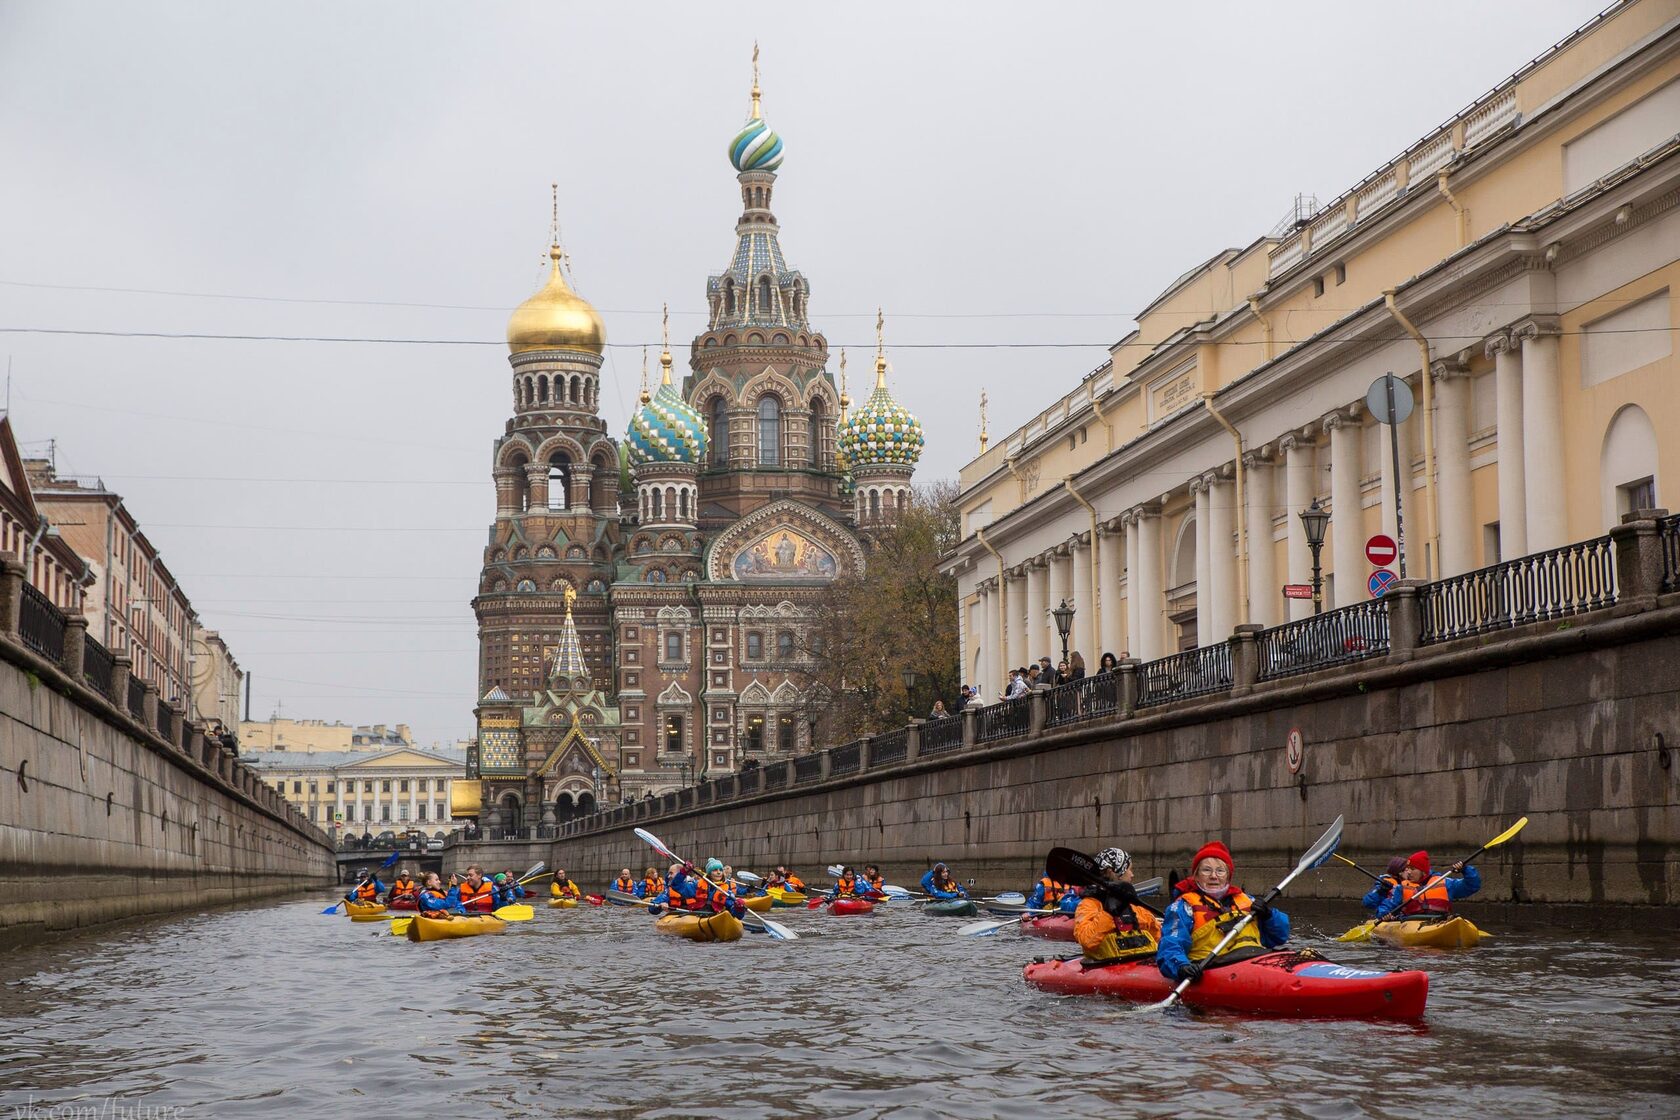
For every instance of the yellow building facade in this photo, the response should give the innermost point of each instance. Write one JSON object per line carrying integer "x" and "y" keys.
{"x": 357, "y": 792}
{"x": 305, "y": 735}
{"x": 1518, "y": 267}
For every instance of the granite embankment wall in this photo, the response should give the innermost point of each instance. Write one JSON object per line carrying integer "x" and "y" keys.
{"x": 103, "y": 817}
{"x": 1572, "y": 724}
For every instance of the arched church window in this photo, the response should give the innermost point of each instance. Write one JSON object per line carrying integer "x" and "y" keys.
{"x": 764, "y": 304}
{"x": 819, "y": 434}
{"x": 559, "y": 479}
{"x": 719, "y": 435}
{"x": 874, "y": 504}
{"x": 769, "y": 431}
{"x": 542, "y": 388}
{"x": 729, "y": 297}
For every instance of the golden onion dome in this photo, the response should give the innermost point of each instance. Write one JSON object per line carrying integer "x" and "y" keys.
{"x": 556, "y": 318}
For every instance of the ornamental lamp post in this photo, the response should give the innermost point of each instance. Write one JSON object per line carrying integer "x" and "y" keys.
{"x": 908, "y": 676}
{"x": 1313, "y": 519}
{"x": 1064, "y": 625}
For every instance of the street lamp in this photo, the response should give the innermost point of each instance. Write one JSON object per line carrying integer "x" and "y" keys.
{"x": 685, "y": 772}
{"x": 1064, "y": 624}
{"x": 908, "y": 676}
{"x": 1313, "y": 519}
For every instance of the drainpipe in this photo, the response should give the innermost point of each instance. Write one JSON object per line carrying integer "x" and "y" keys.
{"x": 1020, "y": 483}
{"x": 1242, "y": 510}
{"x": 1265, "y": 328}
{"x": 1003, "y": 601}
{"x": 1108, "y": 432}
{"x": 1460, "y": 211}
{"x": 29, "y": 553}
{"x": 1096, "y": 562}
{"x": 1434, "y": 521}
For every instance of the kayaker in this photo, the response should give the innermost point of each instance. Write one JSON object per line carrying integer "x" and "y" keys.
{"x": 475, "y": 891}
{"x": 403, "y": 886}
{"x": 368, "y": 888}
{"x": 434, "y": 899}
{"x": 722, "y": 891}
{"x": 846, "y": 886}
{"x": 687, "y": 891}
{"x": 1109, "y": 922}
{"x": 515, "y": 889}
{"x": 624, "y": 884}
{"x": 650, "y": 885}
{"x": 874, "y": 886}
{"x": 1051, "y": 895}
{"x": 563, "y": 887}
{"x": 1385, "y": 885}
{"x": 1208, "y": 905}
{"x": 938, "y": 883}
{"x": 1411, "y": 899}
{"x": 786, "y": 879}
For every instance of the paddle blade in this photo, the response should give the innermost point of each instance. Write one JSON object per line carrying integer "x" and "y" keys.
{"x": 1149, "y": 886}
{"x": 835, "y": 870}
{"x": 1321, "y": 852}
{"x": 816, "y": 904}
{"x": 399, "y": 926}
{"x": 1067, "y": 865}
{"x": 515, "y": 912}
{"x": 748, "y": 878}
{"x": 536, "y": 869}
{"x": 595, "y": 900}
{"x": 1010, "y": 898}
{"x": 984, "y": 929}
{"x": 1507, "y": 834}
{"x": 333, "y": 909}
{"x": 776, "y": 930}
{"x": 657, "y": 844}
{"x": 1360, "y": 932}
{"x": 395, "y": 856}
{"x": 626, "y": 899}
{"x": 895, "y": 892}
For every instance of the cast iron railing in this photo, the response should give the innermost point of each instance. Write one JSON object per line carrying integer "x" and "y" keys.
{"x": 41, "y": 624}
{"x": 845, "y": 760}
{"x": 941, "y": 735}
{"x": 1003, "y": 719}
{"x": 775, "y": 775}
{"x": 97, "y": 665}
{"x": 136, "y": 697}
{"x": 1082, "y": 699}
{"x": 1333, "y": 638}
{"x": 1195, "y": 672}
{"x": 1668, "y": 535}
{"x": 165, "y": 722}
{"x": 1547, "y": 585}
{"x": 891, "y": 746}
{"x": 807, "y": 767}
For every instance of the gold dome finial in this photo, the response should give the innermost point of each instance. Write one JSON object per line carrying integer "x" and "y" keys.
{"x": 556, "y": 318}
{"x": 757, "y": 113}
{"x": 845, "y": 401}
{"x": 645, "y": 395}
{"x": 880, "y": 350}
{"x": 984, "y": 438}
{"x": 665, "y": 333}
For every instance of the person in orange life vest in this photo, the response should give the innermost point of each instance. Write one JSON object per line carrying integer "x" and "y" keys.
{"x": 1411, "y": 899}
{"x": 368, "y": 888}
{"x": 477, "y": 894}
{"x": 688, "y": 892}
{"x": 650, "y": 884}
{"x": 563, "y": 887}
{"x": 846, "y": 886}
{"x": 402, "y": 886}
{"x": 872, "y": 884}
{"x": 786, "y": 879}
{"x": 624, "y": 882}
{"x": 721, "y": 890}
{"x": 434, "y": 900}
{"x": 1207, "y": 908}
{"x": 1109, "y": 922}
{"x": 1385, "y": 885}
{"x": 1051, "y": 895}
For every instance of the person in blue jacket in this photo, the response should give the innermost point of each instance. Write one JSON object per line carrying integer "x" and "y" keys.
{"x": 1383, "y": 886}
{"x": 1419, "y": 894}
{"x": 1209, "y": 906}
{"x": 368, "y": 888}
{"x": 433, "y": 899}
{"x": 1051, "y": 895}
{"x": 939, "y": 884}
{"x": 687, "y": 892}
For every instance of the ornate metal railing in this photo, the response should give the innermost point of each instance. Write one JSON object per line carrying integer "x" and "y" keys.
{"x": 41, "y": 624}
{"x": 668, "y": 803}
{"x": 1083, "y": 699}
{"x": 750, "y": 781}
{"x": 845, "y": 760}
{"x": 1195, "y": 672}
{"x": 1668, "y": 535}
{"x": 807, "y": 767}
{"x": 1003, "y": 719}
{"x": 941, "y": 735}
{"x": 775, "y": 775}
{"x": 165, "y": 722}
{"x": 1556, "y": 584}
{"x": 1332, "y": 638}
{"x": 136, "y": 697}
{"x": 97, "y": 665}
{"x": 890, "y": 747}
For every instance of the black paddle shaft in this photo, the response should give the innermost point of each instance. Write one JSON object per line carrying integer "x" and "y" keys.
{"x": 1068, "y": 865}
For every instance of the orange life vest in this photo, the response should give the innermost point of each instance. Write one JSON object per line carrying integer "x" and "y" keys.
{"x": 1212, "y": 919}
{"x": 403, "y": 885}
{"x": 437, "y": 896}
{"x": 367, "y": 892}
{"x": 875, "y": 882}
{"x": 469, "y": 892}
{"x": 1435, "y": 900}
{"x": 628, "y": 886}
{"x": 795, "y": 883}
{"x": 1053, "y": 891}
{"x": 653, "y": 886}
{"x": 846, "y": 886}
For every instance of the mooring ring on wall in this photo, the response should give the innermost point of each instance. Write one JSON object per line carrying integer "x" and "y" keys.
{"x": 23, "y": 779}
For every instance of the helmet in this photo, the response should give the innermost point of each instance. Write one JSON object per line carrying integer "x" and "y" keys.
{"x": 1116, "y": 860}
{"x": 713, "y": 865}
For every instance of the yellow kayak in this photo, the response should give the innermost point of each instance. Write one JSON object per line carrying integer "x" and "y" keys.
{"x": 381, "y": 917}
{"x": 424, "y": 928}
{"x": 758, "y": 904}
{"x": 568, "y": 903}
{"x": 779, "y": 897}
{"x": 1452, "y": 933}
{"x": 722, "y": 926}
{"x": 364, "y": 908}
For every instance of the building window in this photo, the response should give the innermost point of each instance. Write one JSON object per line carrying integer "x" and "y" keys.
{"x": 402, "y": 812}
{"x": 1638, "y": 495}
{"x": 769, "y": 431}
{"x": 720, "y": 432}
{"x": 297, "y": 787}
{"x": 755, "y": 733}
{"x": 367, "y": 787}
{"x": 1318, "y": 286}
{"x": 402, "y": 786}
{"x": 314, "y": 788}
{"x": 673, "y": 646}
{"x": 385, "y": 814}
{"x": 784, "y": 644}
{"x": 755, "y": 645}
{"x": 330, "y": 786}
{"x": 674, "y": 734}
{"x": 1341, "y": 274}
{"x": 786, "y": 739}
{"x": 385, "y": 786}
{"x": 420, "y": 811}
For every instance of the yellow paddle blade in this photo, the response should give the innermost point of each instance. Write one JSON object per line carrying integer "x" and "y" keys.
{"x": 399, "y": 926}
{"x": 1360, "y": 932}
{"x": 1508, "y": 833}
{"x": 516, "y": 912}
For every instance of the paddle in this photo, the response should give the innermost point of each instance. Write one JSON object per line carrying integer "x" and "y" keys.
{"x": 392, "y": 858}
{"x": 1315, "y": 855}
{"x": 774, "y": 929}
{"x": 1361, "y": 870}
{"x": 1069, "y": 865}
{"x": 990, "y": 927}
{"x": 1362, "y": 932}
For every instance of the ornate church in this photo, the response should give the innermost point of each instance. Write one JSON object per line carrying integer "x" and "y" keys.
{"x": 645, "y": 603}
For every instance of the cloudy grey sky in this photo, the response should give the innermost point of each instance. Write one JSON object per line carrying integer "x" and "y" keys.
{"x": 988, "y": 173}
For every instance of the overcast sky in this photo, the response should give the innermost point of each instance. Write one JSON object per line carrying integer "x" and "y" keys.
{"x": 988, "y": 173}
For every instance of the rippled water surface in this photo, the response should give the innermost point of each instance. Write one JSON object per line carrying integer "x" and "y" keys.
{"x": 278, "y": 1011}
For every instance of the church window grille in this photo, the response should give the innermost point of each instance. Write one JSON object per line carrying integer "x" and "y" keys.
{"x": 542, "y": 388}
{"x": 819, "y": 436}
{"x": 577, "y": 390}
{"x": 764, "y": 307}
{"x": 786, "y": 736}
{"x": 720, "y": 431}
{"x": 874, "y": 504}
{"x": 769, "y": 431}
{"x": 755, "y": 645}
{"x": 420, "y": 811}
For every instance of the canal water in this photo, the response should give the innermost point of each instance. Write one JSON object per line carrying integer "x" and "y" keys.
{"x": 279, "y": 1011}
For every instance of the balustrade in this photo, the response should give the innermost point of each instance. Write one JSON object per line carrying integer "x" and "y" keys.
{"x": 1547, "y": 585}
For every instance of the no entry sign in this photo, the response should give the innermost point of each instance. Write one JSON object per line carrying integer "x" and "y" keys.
{"x": 1381, "y": 550}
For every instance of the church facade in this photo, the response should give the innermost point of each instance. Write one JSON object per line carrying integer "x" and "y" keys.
{"x": 645, "y": 604}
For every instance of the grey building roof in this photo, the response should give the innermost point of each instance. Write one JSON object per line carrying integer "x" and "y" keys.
{"x": 343, "y": 760}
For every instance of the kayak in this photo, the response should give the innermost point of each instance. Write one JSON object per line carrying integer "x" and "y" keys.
{"x": 382, "y": 916}
{"x": 952, "y": 908}
{"x": 1051, "y": 927}
{"x": 424, "y": 928}
{"x": 758, "y": 904}
{"x": 406, "y": 902}
{"x": 1297, "y": 984}
{"x": 722, "y": 926}
{"x": 1452, "y": 933}
{"x": 354, "y": 908}
{"x": 1005, "y": 909}
{"x": 781, "y": 899}
{"x": 567, "y": 903}
{"x": 851, "y": 906}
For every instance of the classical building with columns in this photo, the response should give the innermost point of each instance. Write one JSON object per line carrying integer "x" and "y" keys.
{"x": 1517, "y": 267}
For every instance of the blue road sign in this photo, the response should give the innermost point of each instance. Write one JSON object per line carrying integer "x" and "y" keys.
{"x": 1381, "y": 580}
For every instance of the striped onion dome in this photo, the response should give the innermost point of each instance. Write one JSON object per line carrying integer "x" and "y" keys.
{"x": 666, "y": 429}
{"x": 756, "y": 147}
{"x": 882, "y": 432}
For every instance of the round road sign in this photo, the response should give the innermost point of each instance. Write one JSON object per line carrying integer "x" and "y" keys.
{"x": 1377, "y": 399}
{"x": 1381, "y": 550}
{"x": 1295, "y": 750}
{"x": 1379, "y": 583}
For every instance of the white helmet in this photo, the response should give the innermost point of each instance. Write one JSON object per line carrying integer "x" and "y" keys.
{"x": 1114, "y": 859}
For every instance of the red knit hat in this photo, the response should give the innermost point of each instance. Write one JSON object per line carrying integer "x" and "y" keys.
{"x": 1419, "y": 860}
{"x": 1213, "y": 850}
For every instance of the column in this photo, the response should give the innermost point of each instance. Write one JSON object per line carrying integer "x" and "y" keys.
{"x": 413, "y": 800}
{"x": 1016, "y": 651}
{"x": 1393, "y": 487}
{"x": 1150, "y": 581}
{"x": 1508, "y": 419}
{"x": 1347, "y": 511}
{"x": 1542, "y": 415}
{"x": 1134, "y": 633}
{"x": 338, "y": 796}
{"x": 984, "y": 667}
{"x": 1113, "y": 567}
{"x": 373, "y": 807}
{"x": 581, "y": 474}
{"x": 1263, "y": 593}
{"x": 1038, "y": 607}
{"x": 1298, "y": 483}
{"x": 1084, "y": 632}
{"x": 1205, "y": 633}
{"x": 1222, "y": 558}
{"x": 1452, "y": 466}
{"x": 536, "y": 485}
{"x": 1060, "y": 590}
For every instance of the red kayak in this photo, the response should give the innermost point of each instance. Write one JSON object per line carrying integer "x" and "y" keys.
{"x": 1297, "y": 984}
{"x": 851, "y": 906}
{"x": 1051, "y": 927}
{"x": 404, "y": 902}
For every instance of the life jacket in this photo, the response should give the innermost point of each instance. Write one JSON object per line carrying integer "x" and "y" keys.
{"x": 795, "y": 883}
{"x": 1435, "y": 900}
{"x": 570, "y": 890}
{"x": 702, "y": 900}
{"x": 485, "y": 890}
{"x": 435, "y": 898}
{"x": 1053, "y": 891}
{"x": 653, "y": 886}
{"x": 874, "y": 882}
{"x": 846, "y": 886}
{"x": 366, "y": 892}
{"x": 402, "y": 885}
{"x": 627, "y": 886}
{"x": 1127, "y": 941}
{"x": 1212, "y": 919}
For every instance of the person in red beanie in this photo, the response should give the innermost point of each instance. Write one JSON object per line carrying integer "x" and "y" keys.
{"x": 1419, "y": 894}
{"x": 1208, "y": 906}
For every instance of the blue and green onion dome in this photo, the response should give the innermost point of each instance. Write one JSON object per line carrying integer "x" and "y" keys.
{"x": 666, "y": 430}
{"x": 881, "y": 433}
{"x": 756, "y": 147}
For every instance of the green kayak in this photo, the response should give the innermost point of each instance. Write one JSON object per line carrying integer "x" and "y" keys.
{"x": 953, "y": 908}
